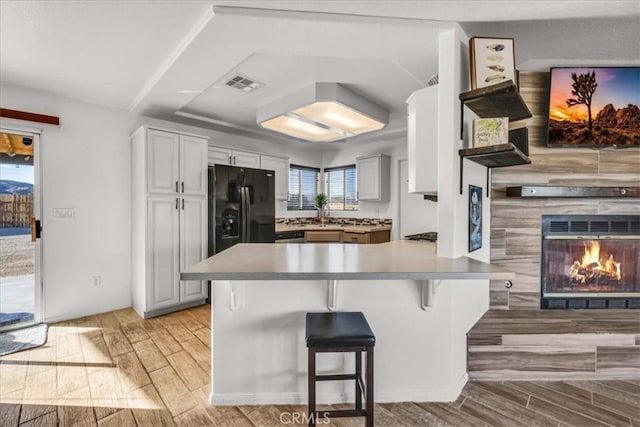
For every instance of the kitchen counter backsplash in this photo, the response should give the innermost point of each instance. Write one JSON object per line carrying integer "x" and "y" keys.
{"x": 337, "y": 221}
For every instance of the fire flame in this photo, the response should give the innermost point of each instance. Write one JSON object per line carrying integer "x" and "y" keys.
{"x": 591, "y": 266}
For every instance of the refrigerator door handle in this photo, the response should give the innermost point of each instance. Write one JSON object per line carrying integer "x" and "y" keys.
{"x": 247, "y": 218}
{"x": 243, "y": 202}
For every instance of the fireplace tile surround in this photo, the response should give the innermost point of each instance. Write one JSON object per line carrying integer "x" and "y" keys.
{"x": 516, "y": 222}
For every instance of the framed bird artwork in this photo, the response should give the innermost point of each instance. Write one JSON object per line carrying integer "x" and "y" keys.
{"x": 492, "y": 61}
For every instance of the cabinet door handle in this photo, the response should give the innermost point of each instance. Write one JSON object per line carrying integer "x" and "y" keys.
{"x": 182, "y": 186}
{"x": 182, "y": 204}
{"x": 176, "y": 186}
{"x": 177, "y": 201}
{"x": 235, "y": 160}
{"x": 230, "y": 159}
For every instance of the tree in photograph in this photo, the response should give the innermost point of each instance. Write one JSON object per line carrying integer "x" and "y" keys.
{"x": 584, "y": 85}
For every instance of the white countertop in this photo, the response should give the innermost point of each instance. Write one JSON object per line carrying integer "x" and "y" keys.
{"x": 399, "y": 259}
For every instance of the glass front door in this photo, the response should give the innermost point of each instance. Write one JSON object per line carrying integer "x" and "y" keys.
{"x": 20, "y": 292}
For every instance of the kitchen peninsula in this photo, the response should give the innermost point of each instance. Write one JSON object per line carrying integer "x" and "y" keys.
{"x": 419, "y": 305}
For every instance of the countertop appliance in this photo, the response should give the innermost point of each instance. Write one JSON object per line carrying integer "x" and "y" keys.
{"x": 296, "y": 236}
{"x": 241, "y": 206}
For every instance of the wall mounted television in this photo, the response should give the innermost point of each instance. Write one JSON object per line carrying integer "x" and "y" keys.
{"x": 594, "y": 107}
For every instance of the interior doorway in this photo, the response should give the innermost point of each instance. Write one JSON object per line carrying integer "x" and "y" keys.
{"x": 20, "y": 244}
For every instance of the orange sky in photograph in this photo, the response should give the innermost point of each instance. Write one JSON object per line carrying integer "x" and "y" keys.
{"x": 560, "y": 111}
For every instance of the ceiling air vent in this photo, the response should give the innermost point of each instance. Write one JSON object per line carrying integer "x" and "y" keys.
{"x": 243, "y": 83}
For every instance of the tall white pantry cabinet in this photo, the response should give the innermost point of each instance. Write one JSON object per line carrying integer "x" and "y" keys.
{"x": 169, "y": 219}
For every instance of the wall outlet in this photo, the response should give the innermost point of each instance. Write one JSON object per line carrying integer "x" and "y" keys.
{"x": 96, "y": 281}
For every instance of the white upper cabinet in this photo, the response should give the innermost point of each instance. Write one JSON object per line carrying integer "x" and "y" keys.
{"x": 219, "y": 156}
{"x": 422, "y": 140}
{"x": 373, "y": 177}
{"x": 193, "y": 165}
{"x": 176, "y": 163}
{"x": 246, "y": 159}
{"x": 225, "y": 156}
{"x": 163, "y": 162}
{"x": 281, "y": 167}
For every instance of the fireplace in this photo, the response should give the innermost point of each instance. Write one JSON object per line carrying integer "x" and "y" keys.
{"x": 590, "y": 261}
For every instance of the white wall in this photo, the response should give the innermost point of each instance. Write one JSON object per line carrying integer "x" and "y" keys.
{"x": 557, "y": 42}
{"x": 85, "y": 166}
{"x": 346, "y": 154}
{"x": 471, "y": 298}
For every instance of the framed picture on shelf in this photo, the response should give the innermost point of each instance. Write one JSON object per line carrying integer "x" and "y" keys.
{"x": 475, "y": 218}
{"x": 490, "y": 131}
{"x": 493, "y": 60}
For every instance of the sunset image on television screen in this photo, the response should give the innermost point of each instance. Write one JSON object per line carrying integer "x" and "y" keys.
{"x": 594, "y": 106}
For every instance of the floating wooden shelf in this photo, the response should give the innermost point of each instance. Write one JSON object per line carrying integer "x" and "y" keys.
{"x": 499, "y": 100}
{"x": 496, "y": 156}
{"x": 492, "y": 156}
{"x": 572, "y": 191}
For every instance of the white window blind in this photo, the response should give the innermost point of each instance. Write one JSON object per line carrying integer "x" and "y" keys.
{"x": 304, "y": 185}
{"x": 340, "y": 185}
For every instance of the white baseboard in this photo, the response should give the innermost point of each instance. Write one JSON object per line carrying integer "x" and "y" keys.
{"x": 448, "y": 395}
{"x": 84, "y": 313}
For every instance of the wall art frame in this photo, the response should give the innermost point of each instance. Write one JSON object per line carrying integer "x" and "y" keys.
{"x": 492, "y": 61}
{"x": 475, "y": 218}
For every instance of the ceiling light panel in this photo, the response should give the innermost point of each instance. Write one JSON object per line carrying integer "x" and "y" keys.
{"x": 301, "y": 129}
{"x": 339, "y": 116}
{"x": 330, "y": 108}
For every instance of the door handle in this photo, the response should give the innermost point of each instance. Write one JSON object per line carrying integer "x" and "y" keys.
{"x": 177, "y": 201}
{"x": 35, "y": 229}
{"x": 176, "y": 186}
{"x": 182, "y": 204}
{"x": 182, "y": 186}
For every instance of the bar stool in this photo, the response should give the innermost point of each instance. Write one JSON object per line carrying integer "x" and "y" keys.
{"x": 341, "y": 332}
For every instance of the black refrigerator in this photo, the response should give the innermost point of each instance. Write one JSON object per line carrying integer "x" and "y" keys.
{"x": 241, "y": 206}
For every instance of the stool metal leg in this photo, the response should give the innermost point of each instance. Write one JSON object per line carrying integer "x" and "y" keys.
{"x": 311, "y": 377}
{"x": 369, "y": 394}
{"x": 358, "y": 379}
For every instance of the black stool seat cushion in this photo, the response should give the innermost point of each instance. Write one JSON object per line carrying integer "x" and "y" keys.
{"x": 341, "y": 329}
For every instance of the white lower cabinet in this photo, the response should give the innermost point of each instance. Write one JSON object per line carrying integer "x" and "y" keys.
{"x": 193, "y": 245}
{"x": 176, "y": 230}
{"x": 163, "y": 232}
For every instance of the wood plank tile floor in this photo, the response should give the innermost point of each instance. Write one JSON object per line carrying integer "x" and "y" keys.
{"x": 115, "y": 369}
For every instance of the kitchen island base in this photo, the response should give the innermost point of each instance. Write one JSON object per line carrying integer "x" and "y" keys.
{"x": 259, "y": 351}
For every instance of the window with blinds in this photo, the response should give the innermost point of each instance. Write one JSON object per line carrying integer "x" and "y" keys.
{"x": 341, "y": 188}
{"x": 304, "y": 185}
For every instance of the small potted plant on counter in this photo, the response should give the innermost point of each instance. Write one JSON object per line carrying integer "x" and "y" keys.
{"x": 321, "y": 203}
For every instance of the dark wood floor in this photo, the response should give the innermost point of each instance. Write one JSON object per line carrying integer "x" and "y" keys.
{"x": 115, "y": 369}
